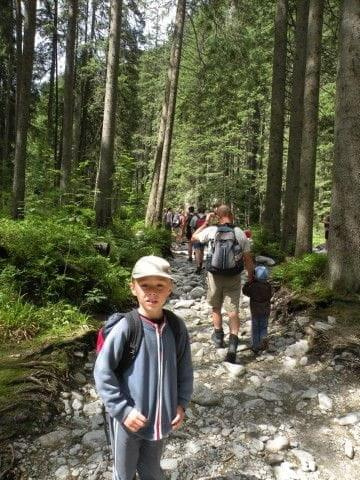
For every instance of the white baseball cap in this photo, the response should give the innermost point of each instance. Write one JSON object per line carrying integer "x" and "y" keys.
{"x": 151, "y": 266}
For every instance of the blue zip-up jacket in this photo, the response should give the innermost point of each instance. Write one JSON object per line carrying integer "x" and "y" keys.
{"x": 155, "y": 383}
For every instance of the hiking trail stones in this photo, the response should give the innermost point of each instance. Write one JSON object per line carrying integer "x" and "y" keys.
{"x": 284, "y": 415}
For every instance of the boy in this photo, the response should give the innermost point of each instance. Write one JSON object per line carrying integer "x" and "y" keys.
{"x": 260, "y": 293}
{"x": 148, "y": 399}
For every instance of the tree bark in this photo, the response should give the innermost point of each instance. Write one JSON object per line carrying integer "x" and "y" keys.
{"x": 272, "y": 212}
{"x": 310, "y": 126}
{"x": 155, "y": 215}
{"x": 295, "y": 132}
{"x": 104, "y": 181}
{"x": 19, "y": 47}
{"x": 66, "y": 160}
{"x": 344, "y": 239}
{"x": 23, "y": 107}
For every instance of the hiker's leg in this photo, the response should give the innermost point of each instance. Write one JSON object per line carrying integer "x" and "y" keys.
{"x": 215, "y": 299}
{"x": 255, "y": 332}
{"x": 232, "y": 287}
{"x": 263, "y": 327}
{"x": 149, "y": 460}
{"x": 125, "y": 447}
{"x": 190, "y": 249}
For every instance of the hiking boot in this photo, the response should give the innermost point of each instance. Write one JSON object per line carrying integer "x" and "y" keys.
{"x": 218, "y": 338}
{"x": 189, "y": 259}
{"x": 198, "y": 270}
{"x": 233, "y": 344}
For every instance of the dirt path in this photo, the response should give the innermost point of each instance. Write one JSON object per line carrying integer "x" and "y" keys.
{"x": 270, "y": 417}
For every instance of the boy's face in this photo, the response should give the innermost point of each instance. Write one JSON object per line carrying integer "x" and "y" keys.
{"x": 152, "y": 293}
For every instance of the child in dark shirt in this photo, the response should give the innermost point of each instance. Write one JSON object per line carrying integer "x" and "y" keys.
{"x": 260, "y": 293}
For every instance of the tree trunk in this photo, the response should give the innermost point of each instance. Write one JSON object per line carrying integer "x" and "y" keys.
{"x": 253, "y": 205}
{"x": 295, "y": 131}
{"x": 51, "y": 99}
{"x": 104, "y": 180}
{"x": 65, "y": 177}
{"x": 23, "y": 107}
{"x": 309, "y": 134}
{"x": 19, "y": 47}
{"x": 156, "y": 216}
{"x": 344, "y": 239}
{"x": 6, "y": 83}
{"x": 271, "y": 217}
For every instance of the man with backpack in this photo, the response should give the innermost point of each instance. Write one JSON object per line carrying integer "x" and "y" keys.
{"x": 143, "y": 373}
{"x": 228, "y": 253}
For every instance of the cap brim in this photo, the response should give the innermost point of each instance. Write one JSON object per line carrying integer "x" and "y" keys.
{"x": 149, "y": 274}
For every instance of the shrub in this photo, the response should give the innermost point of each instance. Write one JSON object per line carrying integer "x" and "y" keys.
{"x": 263, "y": 244}
{"x": 299, "y": 273}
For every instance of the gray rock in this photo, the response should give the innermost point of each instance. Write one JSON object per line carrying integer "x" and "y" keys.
{"x": 325, "y": 402}
{"x": 63, "y": 473}
{"x": 92, "y": 408}
{"x": 184, "y": 304}
{"x": 256, "y": 404}
{"x": 322, "y": 326}
{"x": 349, "y": 419}
{"x": 197, "y": 292}
{"x": 298, "y": 349}
{"x": 53, "y": 439}
{"x": 94, "y": 439}
{"x": 169, "y": 464}
{"x": 306, "y": 460}
{"x": 349, "y": 449}
{"x": 235, "y": 370}
{"x": 278, "y": 443}
{"x": 204, "y": 396}
{"x": 80, "y": 378}
{"x": 285, "y": 472}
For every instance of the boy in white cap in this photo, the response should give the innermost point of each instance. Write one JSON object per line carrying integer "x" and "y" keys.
{"x": 260, "y": 293}
{"x": 147, "y": 399}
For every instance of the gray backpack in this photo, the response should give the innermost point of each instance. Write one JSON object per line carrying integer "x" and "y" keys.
{"x": 225, "y": 255}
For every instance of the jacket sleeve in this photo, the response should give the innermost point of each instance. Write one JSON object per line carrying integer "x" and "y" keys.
{"x": 108, "y": 385}
{"x": 185, "y": 374}
{"x": 247, "y": 289}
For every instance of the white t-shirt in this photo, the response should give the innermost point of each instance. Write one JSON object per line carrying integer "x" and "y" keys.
{"x": 209, "y": 234}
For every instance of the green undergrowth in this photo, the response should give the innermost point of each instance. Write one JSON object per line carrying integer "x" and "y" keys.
{"x": 53, "y": 279}
{"x": 263, "y": 244}
{"x": 305, "y": 276}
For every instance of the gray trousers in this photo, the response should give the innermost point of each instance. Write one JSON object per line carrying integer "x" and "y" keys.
{"x": 134, "y": 454}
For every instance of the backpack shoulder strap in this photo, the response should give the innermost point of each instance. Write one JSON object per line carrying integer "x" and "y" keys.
{"x": 174, "y": 324}
{"x": 132, "y": 344}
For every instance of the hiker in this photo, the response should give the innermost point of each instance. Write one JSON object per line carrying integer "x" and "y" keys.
{"x": 176, "y": 225}
{"x": 197, "y": 220}
{"x": 188, "y": 231}
{"x": 147, "y": 399}
{"x": 224, "y": 266}
{"x": 260, "y": 293}
{"x": 168, "y": 219}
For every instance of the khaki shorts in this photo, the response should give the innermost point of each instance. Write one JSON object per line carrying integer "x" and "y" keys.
{"x": 224, "y": 291}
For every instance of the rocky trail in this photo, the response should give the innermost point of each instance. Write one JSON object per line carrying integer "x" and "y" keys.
{"x": 287, "y": 414}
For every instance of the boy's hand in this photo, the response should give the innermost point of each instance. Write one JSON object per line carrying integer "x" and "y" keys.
{"x": 178, "y": 420}
{"x": 135, "y": 420}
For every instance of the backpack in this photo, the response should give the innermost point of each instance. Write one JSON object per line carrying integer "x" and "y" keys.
{"x": 136, "y": 332}
{"x": 225, "y": 255}
{"x": 200, "y": 221}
